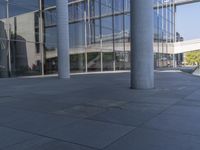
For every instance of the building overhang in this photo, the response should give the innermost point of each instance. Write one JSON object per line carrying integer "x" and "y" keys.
{"x": 176, "y": 3}
{"x": 183, "y": 2}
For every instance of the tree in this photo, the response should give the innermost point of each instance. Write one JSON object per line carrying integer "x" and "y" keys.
{"x": 193, "y": 58}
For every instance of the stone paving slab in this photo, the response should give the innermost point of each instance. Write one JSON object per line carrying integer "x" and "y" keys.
{"x": 186, "y": 124}
{"x": 41, "y": 143}
{"x": 11, "y": 115}
{"x": 189, "y": 103}
{"x": 148, "y": 139}
{"x": 29, "y": 144}
{"x": 38, "y": 122}
{"x": 82, "y": 111}
{"x": 38, "y": 104}
{"x": 90, "y": 133}
{"x": 133, "y": 114}
{"x": 10, "y": 137}
{"x": 194, "y": 96}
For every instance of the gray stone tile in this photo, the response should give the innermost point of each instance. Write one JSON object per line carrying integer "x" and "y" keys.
{"x": 11, "y": 115}
{"x": 173, "y": 95}
{"x": 188, "y": 124}
{"x": 56, "y": 145}
{"x": 29, "y": 144}
{"x": 184, "y": 110}
{"x": 145, "y": 107}
{"x": 7, "y": 114}
{"x": 90, "y": 133}
{"x": 39, "y": 104}
{"x": 194, "y": 96}
{"x": 189, "y": 103}
{"x": 146, "y": 139}
{"x": 42, "y": 143}
{"x": 10, "y": 137}
{"x": 39, "y": 122}
{"x": 81, "y": 111}
{"x": 8, "y": 99}
{"x": 107, "y": 103}
{"x": 157, "y": 100}
{"x": 133, "y": 114}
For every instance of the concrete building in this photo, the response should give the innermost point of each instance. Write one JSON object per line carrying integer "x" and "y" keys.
{"x": 99, "y": 36}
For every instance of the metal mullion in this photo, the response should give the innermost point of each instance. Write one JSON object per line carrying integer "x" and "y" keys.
{"x": 86, "y": 46}
{"x": 8, "y": 38}
{"x": 41, "y": 33}
{"x": 113, "y": 31}
{"x": 124, "y": 32}
{"x": 174, "y": 21}
{"x": 100, "y": 28}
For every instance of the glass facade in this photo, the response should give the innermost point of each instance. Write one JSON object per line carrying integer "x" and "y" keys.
{"x": 164, "y": 32}
{"x": 99, "y": 36}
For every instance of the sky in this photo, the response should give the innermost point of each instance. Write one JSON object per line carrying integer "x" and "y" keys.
{"x": 188, "y": 21}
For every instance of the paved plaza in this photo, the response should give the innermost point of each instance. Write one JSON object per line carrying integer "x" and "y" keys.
{"x": 100, "y": 112}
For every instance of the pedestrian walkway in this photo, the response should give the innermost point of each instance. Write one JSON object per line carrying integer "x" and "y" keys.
{"x": 100, "y": 112}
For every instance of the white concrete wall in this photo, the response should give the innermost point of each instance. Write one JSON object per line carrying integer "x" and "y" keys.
{"x": 183, "y": 2}
{"x": 26, "y": 31}
{"x": 186, "y": 46}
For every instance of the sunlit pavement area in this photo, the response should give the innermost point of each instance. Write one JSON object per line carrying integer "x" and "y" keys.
{"x": 93, "y": 112}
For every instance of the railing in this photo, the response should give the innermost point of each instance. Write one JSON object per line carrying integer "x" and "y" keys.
{"x": 197, "y": 71}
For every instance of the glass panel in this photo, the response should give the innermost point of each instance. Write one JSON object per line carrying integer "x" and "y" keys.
{"x": 127, "y": 60}
{"x": 50, "y": 41}
{"x": 120, "y": 58}
{"x": 48, "y": 3}
{"x": 50, "y": 46}
{"x": 77, "y": 35}
{"x": 127, "y": 32}
{"x": 107, "y": 34}
{"x": 94, "y": 8}
{"x": 22, "y": 27}
{"x": 51, "y": 64}
{"x": 119, "y": 41}
{"x": 2, "y": 9}
{"x": 94, "y": 62}
{"x": 107, "y": 38}
{"x": 76, "y": 11}
{"x": 107, "y": 61}
{"x": 3, "y": 30}
{"x": 77, "y": 63}
{"x": 3, "y": 58}
{"x": 17, "y": 7}
{"x": 25, "y": 59}
{"x": 50, "y": 17}
{"x": 119, "y": 33}
{"x": 127, "y": 5}
{"x": 106, "y": 7}
{"x": 118, "y": 5}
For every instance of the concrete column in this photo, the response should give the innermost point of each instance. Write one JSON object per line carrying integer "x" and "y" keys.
{"x": 63, "y": 39}
{"x": 142, "y": 70}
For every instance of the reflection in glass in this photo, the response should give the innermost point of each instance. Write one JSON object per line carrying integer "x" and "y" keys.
{"x": 25, "y": 59}
{"x": 77, "y": 63}
{"x": 99, "y": 36}
{"x": 94, "y": 62}
{"x": 108, "y": 61}
{"x": 2, "y": 9}
{"x": 3, "y": 59}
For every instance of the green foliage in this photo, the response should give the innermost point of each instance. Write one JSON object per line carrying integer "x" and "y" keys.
{"x": 193, "y": 58}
